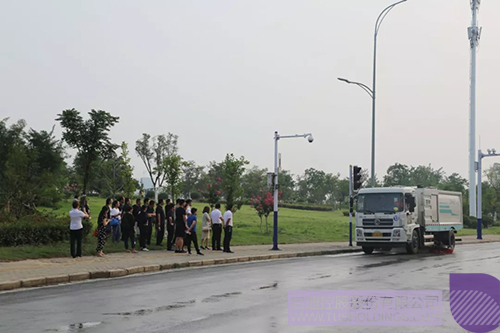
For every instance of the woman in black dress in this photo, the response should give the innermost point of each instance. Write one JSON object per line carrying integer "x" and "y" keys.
{"x": 102, "y": 222}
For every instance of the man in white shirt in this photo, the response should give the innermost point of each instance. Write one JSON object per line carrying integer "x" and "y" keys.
{"x": 76, "y": 229}
{"x": 217, "y": 221}
{"x": 228, "y": 228}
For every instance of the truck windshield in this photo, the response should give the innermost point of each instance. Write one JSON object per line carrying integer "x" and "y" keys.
{"x": 380, "y": 203}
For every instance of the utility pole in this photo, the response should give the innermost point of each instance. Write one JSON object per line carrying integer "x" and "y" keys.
{"x": 474, "y": 34}
{"x": 277, "y": 168}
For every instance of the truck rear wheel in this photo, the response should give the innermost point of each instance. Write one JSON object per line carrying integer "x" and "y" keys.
{"x": 449, "y": 240}
{"x": 368, "y": 249}
{"x": 412, "y": 247}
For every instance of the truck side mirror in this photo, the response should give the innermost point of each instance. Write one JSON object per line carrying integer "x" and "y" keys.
{"x": 411, "y": 202}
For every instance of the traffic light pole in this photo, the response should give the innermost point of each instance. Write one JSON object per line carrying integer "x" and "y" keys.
{"x": 350, "y": 205}
{"x": 480, "y": 156}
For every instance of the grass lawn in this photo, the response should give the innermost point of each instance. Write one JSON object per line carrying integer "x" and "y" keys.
{"x": 295, "y": 226}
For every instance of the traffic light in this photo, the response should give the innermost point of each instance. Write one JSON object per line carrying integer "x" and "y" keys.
{"x": 356, "y": 178}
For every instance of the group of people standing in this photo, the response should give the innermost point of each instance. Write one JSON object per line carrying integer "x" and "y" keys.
{"x": 175, "y": 222}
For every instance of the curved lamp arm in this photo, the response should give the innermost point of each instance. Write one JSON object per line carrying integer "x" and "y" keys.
{"x": 363, "y": 86}
{"x": 384, "y": 13}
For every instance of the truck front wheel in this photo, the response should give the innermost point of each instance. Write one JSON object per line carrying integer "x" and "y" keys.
{"x": 368, "y": 249}
{"x": 412, "y": 247}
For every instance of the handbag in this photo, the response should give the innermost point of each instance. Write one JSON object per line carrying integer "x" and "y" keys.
{"x": 95, "y": 233}
{"x": 114, "y": 222}
{"x": 206, "y": 229}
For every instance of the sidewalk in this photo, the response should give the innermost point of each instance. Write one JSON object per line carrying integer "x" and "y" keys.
{"x": 41, "y": 272}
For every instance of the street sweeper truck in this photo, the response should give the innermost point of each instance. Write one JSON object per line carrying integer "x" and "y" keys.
{"x": 414, "y": 218}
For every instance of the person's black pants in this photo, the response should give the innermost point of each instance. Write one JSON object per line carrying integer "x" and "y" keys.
{"x": 192, "y": 238}
{"x": 150, "y": 232}
{"x": 170, "y": 236}
{"x": 160, "y": 233}
{"x": 75, "y": 236}
{"x": 228, "y": 234}
{"x": 144, "y": 230}
{"x": 129, "y": 234}
{"x": 217, "y": 233}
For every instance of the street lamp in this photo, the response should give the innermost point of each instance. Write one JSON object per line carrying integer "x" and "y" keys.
{"x": 309, "y": 138}
{"x": 372, "y": 91}
{"x": 480, "y": 155}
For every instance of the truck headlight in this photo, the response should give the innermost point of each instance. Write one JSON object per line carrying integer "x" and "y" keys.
{"x": 396, "y": 233}
{"x": 359, "y": 232}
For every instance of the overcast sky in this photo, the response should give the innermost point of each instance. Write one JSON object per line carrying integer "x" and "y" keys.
{"x": 224, "y": 75}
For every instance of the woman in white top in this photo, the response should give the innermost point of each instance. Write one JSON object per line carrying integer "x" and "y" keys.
{"x": 116, "y": 214}
{"x": 76, "y": 229}
{"x": 206, "y": 228}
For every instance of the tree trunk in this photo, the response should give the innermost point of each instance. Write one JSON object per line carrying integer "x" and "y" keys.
{"x": 156, "y": 193}
{"x": 85, "y": 180}
{"x": 260, "y": 223}
{"x": 86, "y": 176}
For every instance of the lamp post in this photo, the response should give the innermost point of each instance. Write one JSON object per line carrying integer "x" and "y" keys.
{"x": 480, "y": 155}
{"x": 275, "y": 179}
{"x": 372, "y": 91}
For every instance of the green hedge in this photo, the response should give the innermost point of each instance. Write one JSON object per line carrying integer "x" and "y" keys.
{"x": 321, "y": 208}
{"x": 36, "y": 230}
{"x": 471, "y": 222}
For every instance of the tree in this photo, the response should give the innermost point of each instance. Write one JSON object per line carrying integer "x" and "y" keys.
{"x": 426, "y": 176}
{"x": 493, "y": 176}
{"x": 254, "y": 181}
{"x": 331, "y": 188}
{"x": 263, "y": 205}
{"x": 32, "y": 170}
{"x": 48, "y": 171}
{"x": 398, "y": 174}
{"x": 116, "y": 175}
{"x": 314, "y": 186}
{"x": 173, "y": 171}
{"x": 287, "y": 186}
{"x": 403, "y": 175}
{"x": 454, "y": 182}
{"x": 90, "y": 137}
{"x": 191, "y": 175}
{"x": 153, "y": 156}
{"x": 130, "y": 184}
{"x": 231, "y": 171}
{"x": 342, "y": 194}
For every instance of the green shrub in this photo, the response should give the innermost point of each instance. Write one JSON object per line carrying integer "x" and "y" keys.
{"x": 36, "y": 229}
{"x": 303, "y": 206}
{"x": 470, "y": 222}
{"x": 162, "y": 195}
{"x": 487, "y": 221}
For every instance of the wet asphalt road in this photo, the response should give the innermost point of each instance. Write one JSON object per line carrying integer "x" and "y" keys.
{"x": 248, "y": 297}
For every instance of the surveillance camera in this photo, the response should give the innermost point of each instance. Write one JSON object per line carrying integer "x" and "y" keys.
{"x": 489, "y": 151}
{"x": 310, "y": 138}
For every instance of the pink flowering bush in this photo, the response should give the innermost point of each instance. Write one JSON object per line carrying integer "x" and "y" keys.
{"x": 264, "y": 205}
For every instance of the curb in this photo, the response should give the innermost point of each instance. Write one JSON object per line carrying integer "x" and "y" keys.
{"x": 114, "y": 273}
